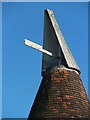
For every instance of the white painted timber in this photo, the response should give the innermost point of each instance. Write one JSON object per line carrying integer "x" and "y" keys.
{"x": 37, "y": 47}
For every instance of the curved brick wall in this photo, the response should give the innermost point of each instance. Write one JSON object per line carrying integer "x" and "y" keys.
{"x": 61, "y": 95}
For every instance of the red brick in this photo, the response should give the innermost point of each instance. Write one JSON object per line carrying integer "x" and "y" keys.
{"x": 65, "y": 105}
{"x": 59, "y": 99}
{"x": 72, "y": 110}
{"x": 65, "y": 93}
{"x": 69, "y": 97}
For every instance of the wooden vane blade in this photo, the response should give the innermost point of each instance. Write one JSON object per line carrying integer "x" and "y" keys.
{"x": 37, "y": 47}
{"x": 55, "y": 42}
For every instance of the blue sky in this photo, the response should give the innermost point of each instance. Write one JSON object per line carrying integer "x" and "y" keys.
{"x": 21, "y": 64}
{"x": 46, "y": 0}
{"x": 0, "y": 60}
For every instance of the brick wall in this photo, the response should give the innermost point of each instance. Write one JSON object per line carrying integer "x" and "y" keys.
{"x": 61, "y": 95}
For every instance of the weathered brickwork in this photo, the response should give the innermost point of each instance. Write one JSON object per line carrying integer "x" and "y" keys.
{"x": 61, "y": 95}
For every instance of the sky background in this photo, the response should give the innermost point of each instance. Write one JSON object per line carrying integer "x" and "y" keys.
{"x": 45, "y": 0}
{"x": 21, "y": 64}
{"x": 0, "y": 60}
